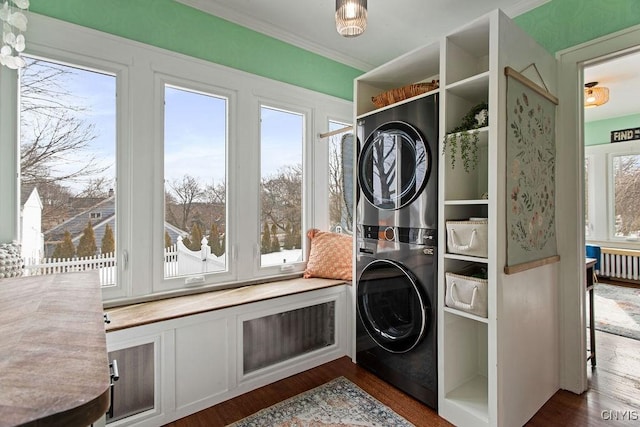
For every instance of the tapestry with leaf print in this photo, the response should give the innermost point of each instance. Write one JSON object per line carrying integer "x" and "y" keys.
{"x": 531, "y": 153}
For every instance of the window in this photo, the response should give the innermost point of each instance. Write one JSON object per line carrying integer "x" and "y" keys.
{"x": 612, "y": 193}
{"x": 67, "y": 168}
{"x": 195, "y": 140}
{"x": 626, "y": 189}
{"x": 341, "y": 157}
{"x": 175, "y": 121}
{"x": 281, "y": 202}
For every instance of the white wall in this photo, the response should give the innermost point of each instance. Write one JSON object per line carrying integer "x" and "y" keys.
{"x": 31, "y": 228}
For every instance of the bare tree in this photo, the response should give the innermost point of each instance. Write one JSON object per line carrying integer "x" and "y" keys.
{"x": 96, "y": 187}
{"x": 281, "y": 197}
{"x": 186, "y": 192}
{"x": 215, "y": 193}
{"x": 627, "y": 194}
{"x": 53, "y": 132}
{"x": 335, "y": 183}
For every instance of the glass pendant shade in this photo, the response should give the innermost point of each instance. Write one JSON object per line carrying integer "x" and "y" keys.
{"x": 594, "y": 96}
{"x": 351, "y": 17}
{"x": 14, "y": 24}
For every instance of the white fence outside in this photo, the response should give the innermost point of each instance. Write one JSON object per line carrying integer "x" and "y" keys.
{"x": 105, "y": 263}
{"x": 178, "y": 261}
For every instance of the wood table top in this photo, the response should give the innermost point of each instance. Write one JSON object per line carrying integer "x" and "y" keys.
{"x": 171, "y": 308}
{"x": 53, "y": 353}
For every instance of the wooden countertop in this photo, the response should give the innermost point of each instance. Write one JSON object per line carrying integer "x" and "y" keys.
{"x": 171, "y": 308}
{"x": 53, "y": 352}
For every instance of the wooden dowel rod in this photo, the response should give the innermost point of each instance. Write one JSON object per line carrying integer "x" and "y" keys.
{"x": 337, "y": 131}
{"x": 508, "y": 71}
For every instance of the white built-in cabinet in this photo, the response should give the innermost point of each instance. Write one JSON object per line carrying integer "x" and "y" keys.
{"x": 174, "y": 368}
{"x": 498, "y": 370}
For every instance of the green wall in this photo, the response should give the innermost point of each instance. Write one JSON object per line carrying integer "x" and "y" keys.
{"x": 599, "y": 131}
{"x": 560, "y": 24}
{"x": 171, "y": 25}
{"x": 174, "y": 26}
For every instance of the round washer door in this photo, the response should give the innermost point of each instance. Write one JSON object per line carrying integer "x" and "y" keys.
{"x": 394, "y": 165}
{"x": 392, "y": 306}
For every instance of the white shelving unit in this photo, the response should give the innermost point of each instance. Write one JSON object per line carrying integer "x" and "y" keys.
{"x": 490, "y": 371}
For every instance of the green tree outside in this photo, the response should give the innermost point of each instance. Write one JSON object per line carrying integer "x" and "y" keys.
{"x": 214, "y": 241}
{"x": 275, "y": 242}
{"x": 167, "y": 239}
{"x": 196, "y": 237}
{"x": 186, "y": 242}
{"x": 108, "y": 244}
{"x": 265, "y": 242}
{"x": 87, "y": 245}
{"x": 288, "y": 237}
{"x": 65, "y": 249}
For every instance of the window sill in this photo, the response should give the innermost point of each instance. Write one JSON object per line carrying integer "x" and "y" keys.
{"x": 129, "y": 316}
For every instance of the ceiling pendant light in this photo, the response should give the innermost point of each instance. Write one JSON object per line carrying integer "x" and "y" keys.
{"x": 595, "y": 96}
{"x": 351, "y": 17}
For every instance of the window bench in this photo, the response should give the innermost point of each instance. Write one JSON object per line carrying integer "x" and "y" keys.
{"x": 155, "y": 311}
{"x": 183, "y": 354}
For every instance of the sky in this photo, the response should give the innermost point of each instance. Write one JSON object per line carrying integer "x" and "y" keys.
{"x": 195, "y": 130}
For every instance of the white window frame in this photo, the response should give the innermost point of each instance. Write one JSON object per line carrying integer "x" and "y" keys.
{"x": 601, "y": 192}
{"x": 139, "y": 69}
{"x": 162, "y": 284}
{"x": 44, "y": 45}
{"x": 307, "y": 189}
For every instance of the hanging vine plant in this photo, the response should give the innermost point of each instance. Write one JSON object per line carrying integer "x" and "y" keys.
{"x": 465, "y": 137}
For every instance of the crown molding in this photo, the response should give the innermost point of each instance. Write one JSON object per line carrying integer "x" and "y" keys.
{"x": 228, "y": 14}
{"x": 523, "y": 7}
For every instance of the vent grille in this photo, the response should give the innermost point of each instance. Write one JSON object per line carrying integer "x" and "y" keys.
{"x": 278, "y": 337}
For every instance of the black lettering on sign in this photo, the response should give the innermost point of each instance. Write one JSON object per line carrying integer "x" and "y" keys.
{"x": 625, "y": 135}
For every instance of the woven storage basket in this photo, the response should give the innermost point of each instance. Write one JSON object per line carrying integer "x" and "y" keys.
{"x": 467, "y": 237}
{"x": 401, "y": 93}
{"x": 466, "y": 293}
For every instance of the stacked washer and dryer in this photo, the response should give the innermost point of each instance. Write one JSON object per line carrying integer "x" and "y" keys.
{"x": 396, "y": 246}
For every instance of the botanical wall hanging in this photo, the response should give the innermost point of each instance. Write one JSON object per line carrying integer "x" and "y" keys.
{"x": 531, "y": 154}
{"x": 464, "y": 138}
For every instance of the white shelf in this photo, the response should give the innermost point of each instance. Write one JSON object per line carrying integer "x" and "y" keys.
{"x": 466, "y": 258}
{"x": 467, "y": 202}
{"x": 474, "y": 88}
{"x": 395, "y": 104}
{"x": 465, "y": 314}
{"x": 472, "y": 396}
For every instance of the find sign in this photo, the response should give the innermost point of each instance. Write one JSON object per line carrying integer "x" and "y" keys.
{"x": 625, "y": 135}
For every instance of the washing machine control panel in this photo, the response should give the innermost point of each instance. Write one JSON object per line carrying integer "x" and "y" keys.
{"x": 416, "y": 236}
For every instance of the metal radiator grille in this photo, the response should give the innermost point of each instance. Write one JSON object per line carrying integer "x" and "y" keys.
{"x": 278, "y": 337}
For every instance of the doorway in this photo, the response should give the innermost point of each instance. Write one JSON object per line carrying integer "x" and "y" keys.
{"x": 612, "y": 218}
{"x": 571, "y": 183}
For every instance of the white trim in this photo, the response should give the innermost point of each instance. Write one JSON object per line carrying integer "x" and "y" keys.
{"x": 228, "y": 14}
{"x": 523, "y": 6}
{"x": 571, "y": 241}
{"x": 263, "y": 27}
{"x": 601, "y": 193}
{"x": 9, "y": 157}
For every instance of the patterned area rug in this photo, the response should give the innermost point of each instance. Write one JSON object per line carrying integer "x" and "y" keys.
{"x": 336, "y": 403}
{"x": 617, "y": 310}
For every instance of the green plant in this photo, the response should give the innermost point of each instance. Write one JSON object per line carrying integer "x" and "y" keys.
{"x": 465, "y": 138}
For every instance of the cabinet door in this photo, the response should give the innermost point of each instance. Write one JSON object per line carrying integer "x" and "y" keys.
{"x": 134, "y": 391}
{"x": 201, "y": 361}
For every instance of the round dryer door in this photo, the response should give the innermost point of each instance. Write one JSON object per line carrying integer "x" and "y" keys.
{"x": 392, "y": 305}
{"x": 394, "y": 165}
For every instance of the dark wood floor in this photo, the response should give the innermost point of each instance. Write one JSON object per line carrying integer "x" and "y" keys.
{"x": 614, "y": 388}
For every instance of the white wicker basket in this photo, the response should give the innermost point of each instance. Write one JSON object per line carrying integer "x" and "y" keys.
{"x": 466, "y": 293}
{"x": 467, "y": 237}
